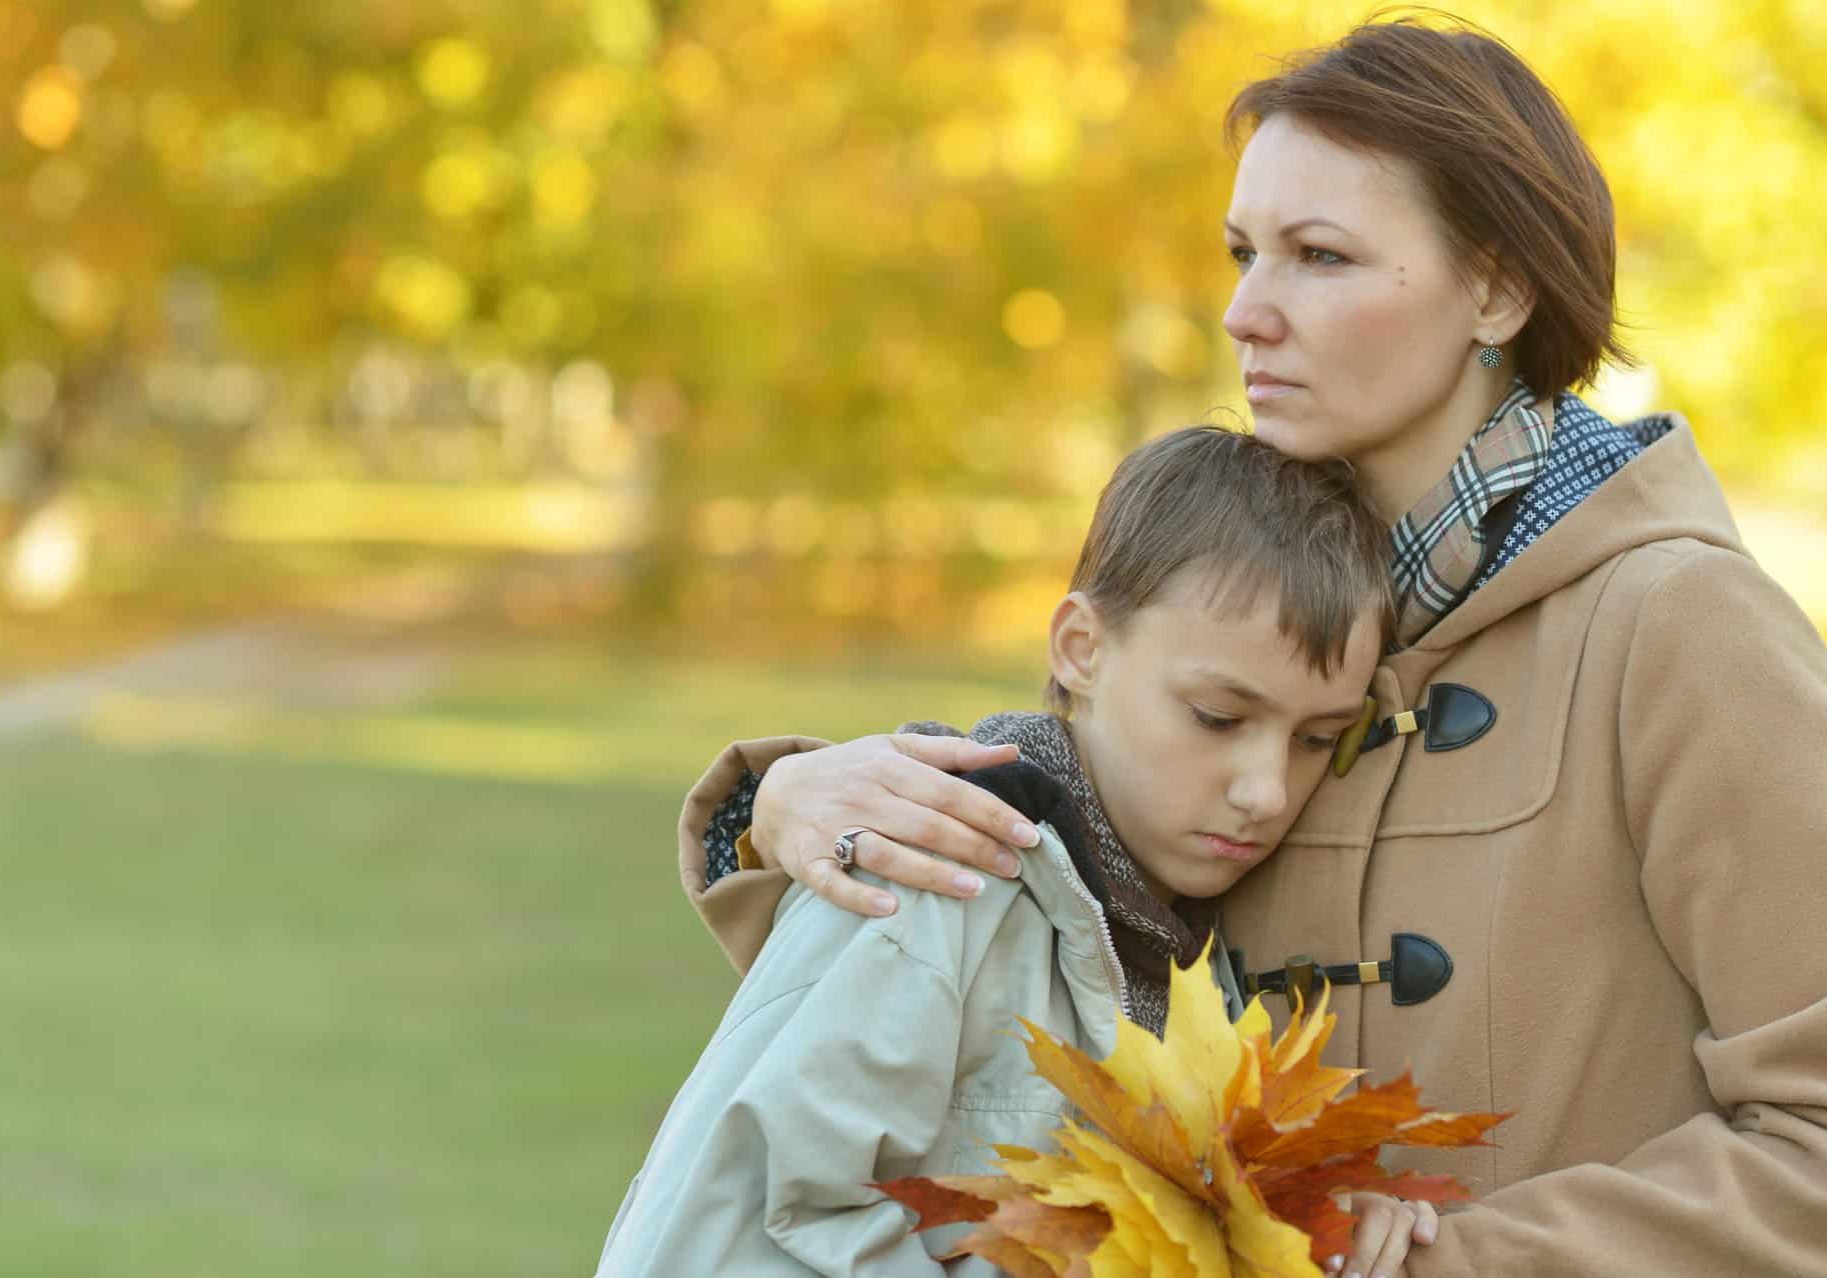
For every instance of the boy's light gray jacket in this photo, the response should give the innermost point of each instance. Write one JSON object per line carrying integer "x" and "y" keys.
{"x": 861, "y": 1050}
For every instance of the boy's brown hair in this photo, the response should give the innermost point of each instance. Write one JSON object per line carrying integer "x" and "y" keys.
{"x": 1256, "y": 520}
{"x": 1511, "y": 182}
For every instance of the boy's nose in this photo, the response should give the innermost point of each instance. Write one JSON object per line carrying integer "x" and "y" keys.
{"x": 1261, "y": 792}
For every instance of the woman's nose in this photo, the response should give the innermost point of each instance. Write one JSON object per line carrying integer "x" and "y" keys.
{"x": 1252, "y": 315}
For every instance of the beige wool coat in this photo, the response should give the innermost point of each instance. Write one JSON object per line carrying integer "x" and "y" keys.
{"x": 1628, "y": 872}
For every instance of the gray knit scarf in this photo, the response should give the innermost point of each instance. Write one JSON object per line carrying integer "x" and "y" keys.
{"x": 1147, "y": 934}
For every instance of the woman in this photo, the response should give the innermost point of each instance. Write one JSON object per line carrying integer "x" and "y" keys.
{"x": 1575, "y": 865}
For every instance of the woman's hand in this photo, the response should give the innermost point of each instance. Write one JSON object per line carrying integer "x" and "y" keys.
{"x": 1386, "y": 1228}
{"x": 897, "y": 789}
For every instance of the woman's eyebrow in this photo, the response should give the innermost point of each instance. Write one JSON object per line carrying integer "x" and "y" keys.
{"x": 1291, "y": 228}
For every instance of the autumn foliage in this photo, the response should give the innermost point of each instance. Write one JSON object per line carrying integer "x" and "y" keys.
{"x": 1214, "y": 1152}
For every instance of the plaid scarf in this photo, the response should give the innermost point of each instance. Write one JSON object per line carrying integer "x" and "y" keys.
{"x": 1439, "y": 546}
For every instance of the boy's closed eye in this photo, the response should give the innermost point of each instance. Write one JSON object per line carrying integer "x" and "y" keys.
{"x": 1214, "y": 722}
{"x": 1222, "y": 723}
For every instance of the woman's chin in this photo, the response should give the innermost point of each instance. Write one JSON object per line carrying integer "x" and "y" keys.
{"x": 1301, "y": 440}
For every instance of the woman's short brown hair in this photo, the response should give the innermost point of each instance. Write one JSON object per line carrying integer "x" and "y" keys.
{"x": 1255, "y": 521}
{"x": 1511, "y": 181}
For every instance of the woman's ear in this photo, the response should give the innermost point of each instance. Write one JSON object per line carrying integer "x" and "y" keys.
{"x": 1505, "y": 302}
{"x": 1074, "y": 638}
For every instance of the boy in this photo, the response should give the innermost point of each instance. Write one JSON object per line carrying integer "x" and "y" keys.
{"x": 1223, "y": 624}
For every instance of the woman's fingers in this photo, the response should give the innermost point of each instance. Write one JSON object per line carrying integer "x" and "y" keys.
{"x": 919, "y": 825}
{"x": 1374, "y": 1224}
{"x": 914, "y": 868}
{"x": 952, "y": 754}
{"x": 982, "y": 828}
{"x": 891, "y": 787}
{"x": 883, "y": 856}
{"x": 1385, "y": 1230}
{"x": 1395, "y": 1247}
{"x": 827, "y": 878}
{"x": 1427, "y": 1223}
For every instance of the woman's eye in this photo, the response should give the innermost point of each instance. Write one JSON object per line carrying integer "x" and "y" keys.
{"x": 1323, "y": 257}
{"x": 1241, "y": 255}
{"x": 1327, "y": 744}
{"x": 1213, "y": 722}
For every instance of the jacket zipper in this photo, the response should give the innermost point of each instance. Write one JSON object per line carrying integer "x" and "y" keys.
{"x": 1113, "y": 968}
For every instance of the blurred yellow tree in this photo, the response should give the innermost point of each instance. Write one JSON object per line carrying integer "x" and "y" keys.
{"x": 822, "y": 246}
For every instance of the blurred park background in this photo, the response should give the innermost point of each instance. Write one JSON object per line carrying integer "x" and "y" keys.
{"x": 429, "y": 430}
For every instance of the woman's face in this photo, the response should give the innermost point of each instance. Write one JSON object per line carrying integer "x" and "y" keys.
{"x": 1356, "y": 336}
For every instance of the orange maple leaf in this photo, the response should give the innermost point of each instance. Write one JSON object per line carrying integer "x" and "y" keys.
{"x": 1211, "y": 1152}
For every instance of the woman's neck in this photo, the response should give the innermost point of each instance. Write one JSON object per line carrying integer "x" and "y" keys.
{"x": 1395, "y": 475}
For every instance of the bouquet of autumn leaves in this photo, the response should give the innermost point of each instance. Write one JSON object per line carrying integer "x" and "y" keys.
{"x": 1211, "y": 1153}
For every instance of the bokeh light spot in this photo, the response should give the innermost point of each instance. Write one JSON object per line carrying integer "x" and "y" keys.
{"x": 74, "y": 296}
{"x": 962, "y": 147}
{"x": 623, "y": 29}
{"x": 564, "y": 188}
{"x": 725, "y": 526}
{"x": 428, "y": 296}
{"x": 793, "y": 525}
{"x": 454, "y": 185}
{"x": 693, "y": 78}
{"x": 1033, "y": 319}
{"x": 50, "y": 107}
{"x": 1038, "y": 144}
{"x": 583, "y": 104}
{"x": 851, "y": 530}
{"x": 453, "y": 71}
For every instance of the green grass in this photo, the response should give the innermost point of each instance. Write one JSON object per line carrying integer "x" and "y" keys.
{"x": 270, "y": 1017}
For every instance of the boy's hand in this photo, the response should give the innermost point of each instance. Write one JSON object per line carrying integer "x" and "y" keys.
{"x": 895, "y": 788}
{"x": 1386, "y": 1228}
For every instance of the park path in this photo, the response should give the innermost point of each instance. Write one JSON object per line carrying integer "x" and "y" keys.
{"x": 302, "y": 661}
{"x": 376, "y": 642}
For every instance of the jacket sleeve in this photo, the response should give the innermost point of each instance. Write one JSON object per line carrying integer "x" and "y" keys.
{"x": 833, "y": 1068}
{"x": 739, "y": 907}
{"x": 1723, "y": 745}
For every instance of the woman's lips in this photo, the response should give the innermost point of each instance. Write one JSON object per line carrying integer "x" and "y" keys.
{"x": 1268, "y": 392}
{"x": 1224, "y": 849}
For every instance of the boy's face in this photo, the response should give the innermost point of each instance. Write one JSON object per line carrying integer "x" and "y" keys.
{"x": 1203, "y": 728}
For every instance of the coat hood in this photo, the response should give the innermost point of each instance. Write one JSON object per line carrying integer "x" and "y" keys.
{"x": 1665, "y": 492}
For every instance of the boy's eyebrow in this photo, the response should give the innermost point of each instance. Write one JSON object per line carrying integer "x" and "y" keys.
{"x": 1244, "y": 692}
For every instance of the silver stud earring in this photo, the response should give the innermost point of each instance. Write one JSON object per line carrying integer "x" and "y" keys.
{"x": 1490, "y": 356}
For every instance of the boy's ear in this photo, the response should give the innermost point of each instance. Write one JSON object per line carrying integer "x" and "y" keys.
{"x": 1074, "y": 638}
